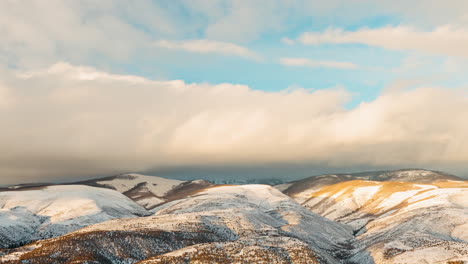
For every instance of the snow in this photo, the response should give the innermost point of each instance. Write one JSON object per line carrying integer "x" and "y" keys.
{"x": 436, "y": 197}
{"x": 150, "y": 201}
{"x": 425, "y": 186}
{"x": 363, "y": 194}
{"x": 55, "y": 210}
{"x": 242, "y": 213}
{"x": 397, "y": 198}
{"x": 427, "y": 255}
{"x": 461, "y": 232}
{"x": 397, "y": 244}
{"x": 460, "y": 198}
{"x": 393, "y": 222}
{"x": 263, "y": 195}
{"x": 283, "y": 187}
{"x": 157, "y": 185}
{"x": 303, "y": 196}
{"x": 61, "y": 202}
{"x": 411, "y": 222}
{"x": 198, "y": 181}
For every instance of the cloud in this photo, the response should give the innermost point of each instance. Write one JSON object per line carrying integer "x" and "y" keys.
{"x": 426, "y": 13}
{"x": 80, "y": 30}
{"x": 443, "y": 40}
{"x": 303, "y": 62}
{"x": 67, "y": 121}
{"x": 288, "y": 41}
{"x": 243, "y": 21}
{"x": 114, "y": 32}
{"x": 234, "y": 20}
{"x": 209, "y": 46}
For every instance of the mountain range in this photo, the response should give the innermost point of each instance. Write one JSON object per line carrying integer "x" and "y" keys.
{"x": 402, "y": 216}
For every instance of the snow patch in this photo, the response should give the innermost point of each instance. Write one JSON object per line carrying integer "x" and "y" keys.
{"x": 157, "y": 185}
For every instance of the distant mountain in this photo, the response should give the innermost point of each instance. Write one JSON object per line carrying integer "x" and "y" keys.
{"x": 148, "y": 191}
{"x": 404, "y": 175}
{"x": 412, "y": 175}
{"x": 234, "y": 181}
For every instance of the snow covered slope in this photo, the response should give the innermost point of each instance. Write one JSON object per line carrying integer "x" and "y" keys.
{"x": 397, "y": 222}
{"x": 28, "y": 215}
{"x": 404, "y": 175}
{"x": 148, "y": 191}
{"x": 404, "y": 216}
{"x": 256, "y": 220}
{"x": 125, "y": 182}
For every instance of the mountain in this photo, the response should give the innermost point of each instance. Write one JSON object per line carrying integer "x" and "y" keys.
{"x": 404, "y": 175}
{"x": 413, "y": 220}
{"x": 32, "y": 212}
{"x": 403, "y": 216}
{"x": 411, "y": 175}
{"x": 148, "y": 191}
{"x": 255, "y": 222}
{"x": 44, "y": 212}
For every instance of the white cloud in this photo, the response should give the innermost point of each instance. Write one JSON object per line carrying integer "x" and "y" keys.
{"x": 246, "y": 20}
{"x": 69, "y": 120}
{"x": 443, "y": 40}
{"x": 303, "y": 62}
{"x": 209, "y": 46}
{"x": 119, "y": 30}
{"x": 288, "y": 41}
{"x": 80, "y": 30}
{"x": 237, "y": 20}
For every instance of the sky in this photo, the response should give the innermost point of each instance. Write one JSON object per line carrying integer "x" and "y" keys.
{"x": 235, "y": 88}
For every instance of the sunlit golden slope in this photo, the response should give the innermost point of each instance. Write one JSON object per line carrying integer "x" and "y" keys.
{"x": 397, "y": 222}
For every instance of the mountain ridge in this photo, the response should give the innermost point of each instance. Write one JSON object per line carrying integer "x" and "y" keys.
{"x": 366, "y": 218}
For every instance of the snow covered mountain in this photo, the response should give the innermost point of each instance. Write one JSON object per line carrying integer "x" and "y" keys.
{"x": 148, "y": 191}
{"x": 44, "y": 212}
{"x": 404, "y": 216}
{"x": 395, "y": 221}
{"x": 255, "y": 222}
{"x": 404, "y": 175}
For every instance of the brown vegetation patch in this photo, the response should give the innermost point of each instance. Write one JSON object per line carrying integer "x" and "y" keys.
{"x": 237, "y": 253}
{"x": 113, "y": 246}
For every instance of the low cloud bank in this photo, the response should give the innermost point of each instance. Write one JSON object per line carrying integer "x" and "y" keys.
{"x": 69, "y": 121}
